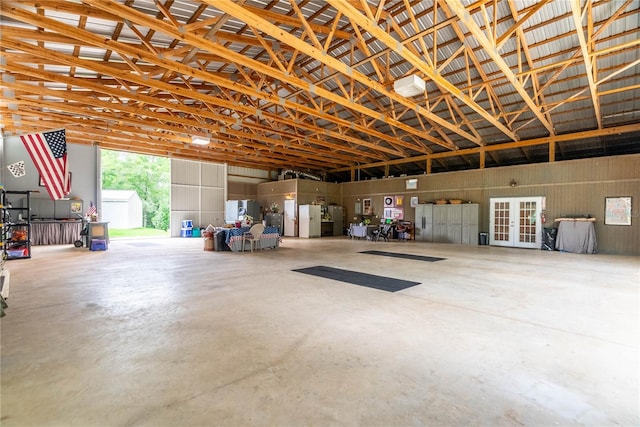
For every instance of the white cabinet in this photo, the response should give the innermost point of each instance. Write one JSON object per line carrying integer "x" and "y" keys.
{"x": 448, "y": 223}
{"x": 424, "y": 222}
{"x": 235, "y": 210}
{"x": 454, "y": 223}
{"x": 290, "y": 218}
{"x": 309, "y": 220}
{"x": 470, "y": 226}
{"x": 440, "y": 218}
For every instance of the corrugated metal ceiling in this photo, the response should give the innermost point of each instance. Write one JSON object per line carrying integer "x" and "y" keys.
{"x": 287, "y": 85}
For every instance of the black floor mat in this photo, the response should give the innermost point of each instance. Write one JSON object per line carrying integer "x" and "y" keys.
{"x": 363, "y": 279}
{"x": 405, "y": 256}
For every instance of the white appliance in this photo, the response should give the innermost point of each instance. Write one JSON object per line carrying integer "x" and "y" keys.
{"x": 337, "y": 215}
{"x": 235, "y": 210}
{"x": 409, "y": 86}
{"x": 290, "y": 218}
{"x": 309, "y": 220}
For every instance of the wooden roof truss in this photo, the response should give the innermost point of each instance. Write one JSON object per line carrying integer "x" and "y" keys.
{"x": 308, "y": 84}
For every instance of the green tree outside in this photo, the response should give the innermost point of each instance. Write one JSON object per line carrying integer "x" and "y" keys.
{"x": 147, "y": 175}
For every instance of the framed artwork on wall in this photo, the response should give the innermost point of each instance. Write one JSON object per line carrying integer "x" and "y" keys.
{"x": 617, "y": 210}
{"x": 411, "y": 184}
{"x": 366, "y": 207}
{"x": 76, "y": 207}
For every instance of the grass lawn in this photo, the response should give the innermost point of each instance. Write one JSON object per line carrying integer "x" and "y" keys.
{"x": 137, "y": 232}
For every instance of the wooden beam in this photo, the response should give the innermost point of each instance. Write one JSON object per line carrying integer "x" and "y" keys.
{"x": 263, "y": 25}
{"x": 586, "y": 57}
{"x": 431, "y": 72}
{"x": 185, "y": 70}
{"x": 242, "y": 60}
{"x": 509, "y": 145}
{"x": 490, "y": 49}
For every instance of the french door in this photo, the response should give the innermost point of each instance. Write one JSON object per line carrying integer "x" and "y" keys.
{"x": 516, "y": 221}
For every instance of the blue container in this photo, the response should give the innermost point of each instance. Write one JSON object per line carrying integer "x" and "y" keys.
{"x": 98, "y": 245}
{"x": 187, "y": 223}
{"x": 186, "y": 232}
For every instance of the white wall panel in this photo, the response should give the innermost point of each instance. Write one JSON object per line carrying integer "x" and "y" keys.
{"x": 185, "y": 172}
{"x": 198, "y": 192}
{"x": 185, "y": 198}
{"x": 213, "y": 175}
{"x": 215, "y": 218}
{"x": 212, "y": 199}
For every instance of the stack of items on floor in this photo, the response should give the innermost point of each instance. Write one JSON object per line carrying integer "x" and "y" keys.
{"x": 187, "y": 228}
{"x": 214, "y": 239}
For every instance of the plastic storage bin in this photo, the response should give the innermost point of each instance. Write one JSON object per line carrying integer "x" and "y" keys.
{"x": 98, "y": 245}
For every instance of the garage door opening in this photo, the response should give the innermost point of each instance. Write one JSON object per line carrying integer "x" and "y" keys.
{"x": 135, "y": 194}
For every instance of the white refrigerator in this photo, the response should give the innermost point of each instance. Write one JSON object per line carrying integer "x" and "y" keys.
{"x": 290, "y": 218}
{"x": 309, "y": 220}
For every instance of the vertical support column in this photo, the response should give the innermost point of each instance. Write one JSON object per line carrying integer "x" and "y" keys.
{"x": 428, "y": 165}
{"x": 552, "y": 151}
{"x": 353, "y": 174}
{"x": 483, "y": 156}
{"x": 386, "y": 170}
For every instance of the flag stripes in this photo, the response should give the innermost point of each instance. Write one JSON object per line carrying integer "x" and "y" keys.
{"x": 48, "y": 150}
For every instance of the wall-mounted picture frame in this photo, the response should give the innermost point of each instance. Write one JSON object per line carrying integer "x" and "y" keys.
{"x": 617, "y": 210}
{"x": 411, "y": 184}
{"x": 76, "y": 207}
{"x": 366, "y": 207}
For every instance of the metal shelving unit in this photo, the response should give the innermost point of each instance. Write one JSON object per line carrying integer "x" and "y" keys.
{"x": 16, "y": 225}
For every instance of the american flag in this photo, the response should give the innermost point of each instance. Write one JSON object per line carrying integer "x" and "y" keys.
{"x": 92, "y": 209}
{"x": 48, "y": 150}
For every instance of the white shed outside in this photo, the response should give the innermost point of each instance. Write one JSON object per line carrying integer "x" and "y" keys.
{"x": 121, "y": 208}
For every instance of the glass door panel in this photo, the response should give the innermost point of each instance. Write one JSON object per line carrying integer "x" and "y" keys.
{"x": 515, "y": 221}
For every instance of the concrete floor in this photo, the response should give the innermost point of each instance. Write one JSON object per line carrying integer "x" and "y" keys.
{"x": 159, "y": 332}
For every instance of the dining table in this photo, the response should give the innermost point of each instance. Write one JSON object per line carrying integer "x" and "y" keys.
{"x": 270, "y": 238}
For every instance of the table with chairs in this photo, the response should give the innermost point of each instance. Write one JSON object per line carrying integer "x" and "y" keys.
{"x": 383, "y": 232}
{"x": 401, "y": 230}
{"x": 238, "y": 239}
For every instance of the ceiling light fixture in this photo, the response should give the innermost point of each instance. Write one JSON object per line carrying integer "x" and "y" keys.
{"x": 409, "y": 86}
{"x": 200, "y": 140}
